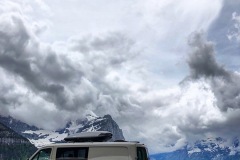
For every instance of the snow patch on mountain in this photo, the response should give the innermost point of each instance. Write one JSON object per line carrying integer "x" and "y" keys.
{"x": 44, "y": 137}
{"x": 194, "y": 150}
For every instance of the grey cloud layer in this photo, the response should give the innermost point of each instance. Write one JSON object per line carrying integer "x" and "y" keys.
{"x": 202, "y": 63}
{"x": 44, "y": 74}
{"x": 68, "y": 85}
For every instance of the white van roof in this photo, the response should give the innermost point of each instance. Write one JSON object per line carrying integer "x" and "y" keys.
{"x": 91, "y": 144}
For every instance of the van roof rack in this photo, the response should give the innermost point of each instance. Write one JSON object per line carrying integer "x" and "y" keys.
{"x": 96, "y": 136}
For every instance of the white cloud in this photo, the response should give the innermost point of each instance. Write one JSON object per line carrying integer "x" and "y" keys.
{"x": 160, "y": 27}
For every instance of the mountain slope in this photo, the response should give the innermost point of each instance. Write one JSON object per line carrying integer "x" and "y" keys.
{"x": 13, "y": 145}
{"x": 40, "y": 137}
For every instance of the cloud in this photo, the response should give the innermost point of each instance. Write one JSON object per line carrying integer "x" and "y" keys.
{"x": 202, "y": 63}
{"x": 235, "y": 32}
{"x": 44, "y": 74}
{"x": 205, "y": 104}
{"x": 87, "y": 76}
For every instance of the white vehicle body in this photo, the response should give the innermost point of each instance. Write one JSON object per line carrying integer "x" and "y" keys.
{"x": 92, "y": 151}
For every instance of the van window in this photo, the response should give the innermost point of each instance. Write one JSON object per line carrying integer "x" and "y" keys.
{"x": 43, "y": 154}
{"x": 68, "y": 153}
{"x": 108, "y": 153}
{"x": 141, "y": 153}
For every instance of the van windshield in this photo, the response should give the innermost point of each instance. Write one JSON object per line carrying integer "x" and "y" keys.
{"x": 141, "y": 153}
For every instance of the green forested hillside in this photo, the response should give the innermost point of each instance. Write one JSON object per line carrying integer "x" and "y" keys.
{"x": 13, "y": 146}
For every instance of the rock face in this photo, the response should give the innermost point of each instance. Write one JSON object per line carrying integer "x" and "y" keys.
{"x": 209, "y": 149}
{"x": 94, "y": 123}
{"x": 40, "y": 137}
{"x": 13, "y": 145}
{"x": 16, "y": 125}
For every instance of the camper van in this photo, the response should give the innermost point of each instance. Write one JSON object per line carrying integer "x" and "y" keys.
{"x": 92, "y": 146}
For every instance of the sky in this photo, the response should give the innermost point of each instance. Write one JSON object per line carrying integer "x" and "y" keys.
{"x": 167, "y": 72}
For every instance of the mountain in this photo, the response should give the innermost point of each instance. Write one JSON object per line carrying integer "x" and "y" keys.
{"x": 40, "y": 137}
{"x": 209, "y": 149}
{"x": 94, "y": 123}
{"x": 13, "y": 145}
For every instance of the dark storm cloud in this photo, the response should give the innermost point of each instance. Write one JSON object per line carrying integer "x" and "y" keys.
{"x": 43, "y": 73}
{"x": 224, "y": 83}
{"x": 202, "y": 61}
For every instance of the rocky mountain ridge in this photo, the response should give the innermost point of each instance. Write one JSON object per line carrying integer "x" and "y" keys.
{"x": 40, "y": 137}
